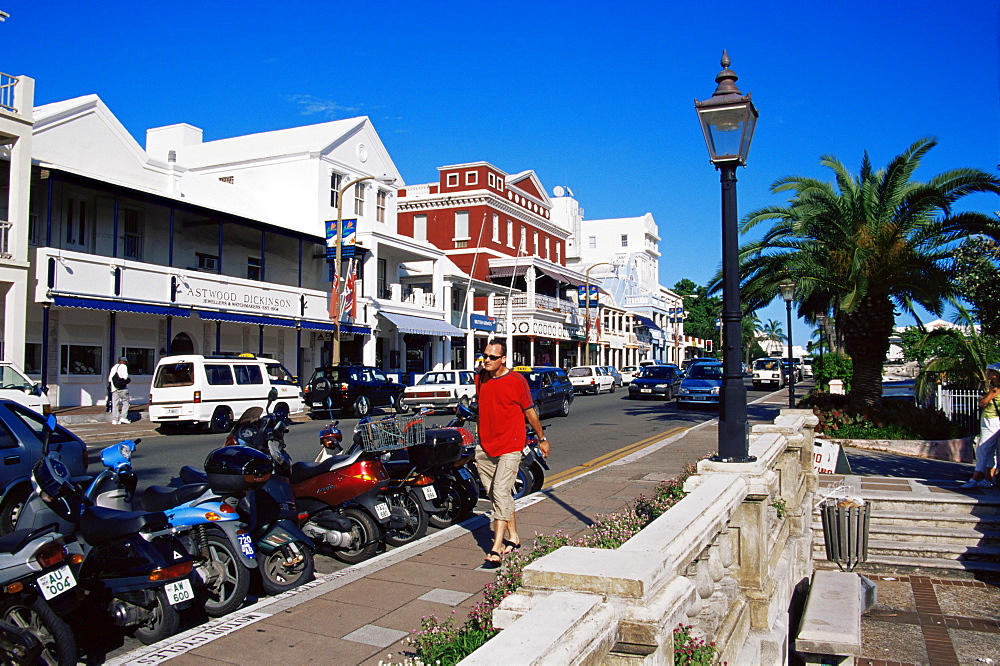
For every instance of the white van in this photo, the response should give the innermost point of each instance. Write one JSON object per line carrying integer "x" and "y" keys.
{"x": 15, "y": 385}
{"x": 216, "y": 390}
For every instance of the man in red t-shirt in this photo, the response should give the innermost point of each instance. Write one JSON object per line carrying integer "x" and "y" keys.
{"x": 504, "y": 403}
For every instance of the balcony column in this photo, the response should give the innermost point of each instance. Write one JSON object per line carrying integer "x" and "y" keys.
{"x": 531, "y": 350}
{"x": 529, "y": 277}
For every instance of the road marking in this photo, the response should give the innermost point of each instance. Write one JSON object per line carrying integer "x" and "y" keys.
{"x": 608, "y": 458}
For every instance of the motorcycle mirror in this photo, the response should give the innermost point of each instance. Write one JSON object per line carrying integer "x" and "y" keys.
{"x": 50, "y": 426}
{"x": 272, "y": 395}
{"x": 463, "y": 412}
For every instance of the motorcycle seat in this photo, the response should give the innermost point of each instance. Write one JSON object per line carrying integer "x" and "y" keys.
{"x": 302, "y": 471}
{"x": 161, "y": 498}
{"x": 16, "y": 540}
{"x": 190, "y": 474}
{"x": 99, "y": 525}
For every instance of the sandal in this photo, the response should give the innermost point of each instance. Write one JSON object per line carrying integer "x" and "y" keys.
{"x": 511, "y": 546}
{"x": 491, "y": 564}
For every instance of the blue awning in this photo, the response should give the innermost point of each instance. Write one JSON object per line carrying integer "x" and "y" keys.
{"x": 240, "y": 318}
{"x": 120, "y": 306}
{"x": 647, "y": 322}
{"x": 330, "y": 326}
{"x": 421, "y": 325}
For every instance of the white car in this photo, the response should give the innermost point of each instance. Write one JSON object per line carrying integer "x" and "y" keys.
{"x": 591, "y": 379}
{"x": 441, "y": 389}
{"x": 628, "y": 373}
{"x": 16, "y": 386}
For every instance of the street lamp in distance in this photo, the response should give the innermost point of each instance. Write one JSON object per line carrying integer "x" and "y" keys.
{"x": 586, "y": 295}
{"x": 821, "y": 321}
{"x": 788, "y": 293}
{"x": 337, "y": 267}
{"x": 727, "y": 121}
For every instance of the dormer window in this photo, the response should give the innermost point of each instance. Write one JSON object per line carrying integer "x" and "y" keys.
{"x": 471, "y": 177}
{"x": 452, "y": 180}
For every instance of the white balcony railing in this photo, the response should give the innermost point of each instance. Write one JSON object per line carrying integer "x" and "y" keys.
{"x": 7, "y": 86}
{"x": 5, "y": 252}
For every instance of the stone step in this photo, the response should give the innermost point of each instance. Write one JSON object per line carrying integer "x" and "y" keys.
{"x": 956, "y": 503}
{"x": 920, "y": 566}
{"x": 923, "y": 531}
{"x": 936, "y": 519}
{"x": 922, "y": 550}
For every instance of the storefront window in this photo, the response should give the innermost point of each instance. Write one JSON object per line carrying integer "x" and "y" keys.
{"x": 140, "y": 361}
{"x": 33, "y": 358}
{"x": 80, "y": 360}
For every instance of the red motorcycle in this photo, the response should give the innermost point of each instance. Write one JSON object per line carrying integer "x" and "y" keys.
{"x": 341, "y": 499}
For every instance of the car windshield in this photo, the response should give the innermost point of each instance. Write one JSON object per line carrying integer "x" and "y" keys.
{"x": 657, "y": 373}
{"x": 438, "y": 378}
{"x": 580, "y": 372}
{"x": 769, "y": 364}
{"x": 12, "y": 379}
{"x": 629, "y": 368}
{"x": 535, "y": 379}
{"x": 705, "y": 371}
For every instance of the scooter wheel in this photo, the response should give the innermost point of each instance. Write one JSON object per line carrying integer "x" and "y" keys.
{"x": 456, "y": 507}
{"x": 286, "y": 568}
{"x": 34, "y": 615}
{"x": 365, "y": 533}
{"x": 227, "y": 580}
{"x": 162, "y": 623}
{"x": 415, "y": 526}
{"x": 523, "y": 482}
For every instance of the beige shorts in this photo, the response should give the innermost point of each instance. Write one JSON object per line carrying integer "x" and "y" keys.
{"x": 498, "y": 476}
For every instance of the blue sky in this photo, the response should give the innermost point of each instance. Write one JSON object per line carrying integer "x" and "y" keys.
{"x": 594, "y": 96}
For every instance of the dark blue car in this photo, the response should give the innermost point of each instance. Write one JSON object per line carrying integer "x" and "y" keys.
{"x": 655, "y": 381}
{"x": 701, "y": 385}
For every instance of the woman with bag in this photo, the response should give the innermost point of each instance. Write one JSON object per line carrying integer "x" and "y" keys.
{"x": 989, "y": 432}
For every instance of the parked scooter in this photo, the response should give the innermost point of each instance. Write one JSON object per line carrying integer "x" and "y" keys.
{"x": 341, "y": 498}
{"x": 133, "y": 568}
{"x": 35, "y": 574}
{"x": 207, "y": 523}
{"x": 285, "y": 552}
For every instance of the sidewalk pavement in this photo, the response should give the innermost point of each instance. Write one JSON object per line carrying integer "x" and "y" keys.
{"x": 364, "y": 614}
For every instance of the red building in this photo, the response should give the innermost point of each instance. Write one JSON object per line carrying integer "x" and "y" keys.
{"x": 496, "y": 226}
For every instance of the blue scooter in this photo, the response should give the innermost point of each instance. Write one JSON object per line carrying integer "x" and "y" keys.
{"x": 210, "y": 526}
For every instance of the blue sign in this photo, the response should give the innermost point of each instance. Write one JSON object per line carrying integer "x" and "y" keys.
{"x": 347, "y": 246}
{"x": 582, "y": 298}
{"x": 482, "y": 322}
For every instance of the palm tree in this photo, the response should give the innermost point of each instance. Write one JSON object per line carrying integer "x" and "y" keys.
{"x": 863, "y": 246}
{"x": 965, "y": 365}
{"x": 772, "y": 333}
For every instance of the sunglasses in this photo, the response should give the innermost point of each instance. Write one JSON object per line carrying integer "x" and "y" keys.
{"x": 492, "y": 357}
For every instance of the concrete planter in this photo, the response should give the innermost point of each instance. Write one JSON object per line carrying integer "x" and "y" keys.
{"x": 954, "y": 450}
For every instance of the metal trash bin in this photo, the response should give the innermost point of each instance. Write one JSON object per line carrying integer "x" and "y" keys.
{"x": 845, "y": 533}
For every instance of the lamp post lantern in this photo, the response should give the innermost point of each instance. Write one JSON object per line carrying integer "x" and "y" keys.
{"x": 337, "y": 267}
{"x": 586, "y": 296}
{"x": 727, "y": 120}
{"x": 788, "y": 293}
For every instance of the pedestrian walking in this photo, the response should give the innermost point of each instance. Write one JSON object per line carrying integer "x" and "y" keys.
{"x": 118, "y": 382}
{"x": 504, "y": 403}
{"x": 989, "y": 432}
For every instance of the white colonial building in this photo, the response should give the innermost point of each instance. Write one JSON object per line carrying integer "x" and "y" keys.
{"x": 215, "y": 247}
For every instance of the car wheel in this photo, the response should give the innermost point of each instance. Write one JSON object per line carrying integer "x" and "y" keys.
{"x": 612, "y": 390}
{"x": 11, "y": 509}
{"x": 398, "y": 406}
{"x": 222, "y": 420}
{"x": 362, "y": 406}
{"x": 564, "y": 407}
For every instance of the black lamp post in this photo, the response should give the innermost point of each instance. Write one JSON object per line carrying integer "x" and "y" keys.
{"x": 821, "y": 320}
{"x": 727, "y": 120}
{"x": 788, "y": 293}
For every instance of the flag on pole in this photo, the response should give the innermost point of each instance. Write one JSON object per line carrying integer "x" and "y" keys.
{"x": 350, "y": 310}
{"x": 334, "y": 303}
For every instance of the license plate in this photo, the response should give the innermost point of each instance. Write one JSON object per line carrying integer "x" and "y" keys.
{"x": 172, "y": 410}
{"x": 246, "y": 546}
{"x": 179, "y": 591}
{"x": 382, "y": 511}
{"x": 429, "y": 492}
{"x": 698, "y": 397}
{"x": 645, "y": 390}
{"x": 56, "y": 582}
{"x": 465, "y": 474}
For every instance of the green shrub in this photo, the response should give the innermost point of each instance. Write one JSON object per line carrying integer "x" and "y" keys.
{"x": 833, "y": 366}
{"x": 894, "y": 419}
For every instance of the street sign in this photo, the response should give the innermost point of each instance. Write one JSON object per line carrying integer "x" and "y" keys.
{"x": 347, "y": 246}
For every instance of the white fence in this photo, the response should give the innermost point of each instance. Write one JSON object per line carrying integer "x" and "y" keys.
{"x": 960, "y": 405}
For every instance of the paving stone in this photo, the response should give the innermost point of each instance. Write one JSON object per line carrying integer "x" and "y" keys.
{"x": 442, "y": 596}
{"x": 408, "y": 616}
{"x": 372, "y": 634}
{"x": 969, "y": 602}
{"x": 894, "y": 596}
{"x": 892, "y": 641}
{"x": 973, "y": 646}
{"x": 327, "y": 617}
{"x": 375, "y": 593}
{"x": 188, "y": 659}
{"x": 466, "y": 580}
{"x": 285, "y": 645}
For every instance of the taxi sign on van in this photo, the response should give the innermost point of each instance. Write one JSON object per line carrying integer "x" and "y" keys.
{"x": 522, "y": 368}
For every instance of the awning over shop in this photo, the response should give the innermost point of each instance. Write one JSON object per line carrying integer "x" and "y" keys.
{"x": 241, "y": 318}
{"x": 330, "y": 326}
{"x": 421, "y": 325}
{"x": 552, "y": 271}
{"x": 647, "y": 322}
{"x": 120, "y": 306}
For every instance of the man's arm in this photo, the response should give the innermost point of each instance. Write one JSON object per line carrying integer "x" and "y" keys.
{"x": 536, "y": 425}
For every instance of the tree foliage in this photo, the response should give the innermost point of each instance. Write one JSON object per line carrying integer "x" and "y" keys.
{"x": 977, "y": 275}
{"x": 702, "y": 310}
{"x": 863, "y": 245}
